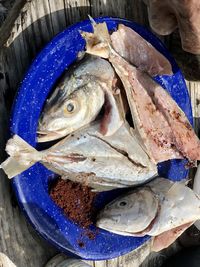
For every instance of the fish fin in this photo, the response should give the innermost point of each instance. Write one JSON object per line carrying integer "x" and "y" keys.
{"x": 97, "y": 43}
{"x": 22, "y": 156}
{"x": 12, "y": 167}
{"x": 92, "y": 20}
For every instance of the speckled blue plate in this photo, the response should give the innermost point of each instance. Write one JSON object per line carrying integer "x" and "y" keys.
{"x": 31, "y": 187}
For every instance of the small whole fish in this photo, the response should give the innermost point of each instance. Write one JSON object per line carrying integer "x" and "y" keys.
{"x": 161, "y": 209}
{"x": 87, "y": 156}
{"x": 78, "y": 99}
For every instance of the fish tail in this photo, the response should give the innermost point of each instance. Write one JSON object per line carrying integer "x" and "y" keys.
{"x": 92, "y": 20}
{"x": 22, "y": 156}
{"x": 98, "y": 42}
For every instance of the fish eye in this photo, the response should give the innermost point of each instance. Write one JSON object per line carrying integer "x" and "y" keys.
{"x": 70, "y": 107}
{"x": 122, "y": 203}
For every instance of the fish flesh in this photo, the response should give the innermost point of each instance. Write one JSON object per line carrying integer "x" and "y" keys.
{"x": 151, "y": 126}
{"x": 133, "y": 214}
{"x": 140, "y": 53}
{"x": 86, "y": 156}
{"x": 162, "y": 127}
{"x": 184, "y": 137}
{"x": 167, "y": 133}
{"x": 79, "y": 98}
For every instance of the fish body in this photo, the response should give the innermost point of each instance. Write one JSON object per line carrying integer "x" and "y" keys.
{"x": 87, "y": 156}
{"x": 78, "y": 98}
{"x": 112, "y": 160}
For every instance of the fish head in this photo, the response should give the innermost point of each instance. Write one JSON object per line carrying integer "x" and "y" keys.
{"x": 130, "y": 213}
{"x": 68, "y": 110}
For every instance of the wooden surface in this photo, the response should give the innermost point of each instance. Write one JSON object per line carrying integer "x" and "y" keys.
{"x": 21, "y": 39}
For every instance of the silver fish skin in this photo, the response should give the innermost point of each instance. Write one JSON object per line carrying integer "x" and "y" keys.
{"x": 114, "y": 162}
{"x": 77, "y": 100}
{"x": 108, "y": 162}
{"x": 131, "y": 211}
{"x": 178, "y": 206}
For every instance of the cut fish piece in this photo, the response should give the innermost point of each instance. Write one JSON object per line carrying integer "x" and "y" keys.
{"x": 141, "y": 208}
{"x": 136, "y": 50}
{"x": 184, "y": 137}
{"x": 161, "y": 125}
{"x": 105, "y": 161}
{"x": 152, "y": 127}
{"x": 78, "y": 99}
{"x": 178, "y": 208}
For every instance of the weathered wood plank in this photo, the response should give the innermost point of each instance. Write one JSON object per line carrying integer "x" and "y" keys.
{"x": 8, "y": 24}
{"x": 194, "y": 90}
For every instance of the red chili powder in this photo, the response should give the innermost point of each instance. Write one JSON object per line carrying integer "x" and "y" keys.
{"x": 75, "y": 200}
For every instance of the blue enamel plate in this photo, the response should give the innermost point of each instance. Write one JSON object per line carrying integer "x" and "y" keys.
{"x": 31, "y": 187}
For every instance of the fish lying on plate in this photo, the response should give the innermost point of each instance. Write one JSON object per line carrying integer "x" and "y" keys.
{"x": 162, "y": 127}
{"x": 86, "y": 156}
{"x": 161, "y": 209}
{"x": 79, "y": 98}
{"x": 74, "y": 103}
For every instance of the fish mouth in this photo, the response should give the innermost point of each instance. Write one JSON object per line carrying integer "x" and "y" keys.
{"x": 47, "y": 136}
{"x": 103, "y": 223}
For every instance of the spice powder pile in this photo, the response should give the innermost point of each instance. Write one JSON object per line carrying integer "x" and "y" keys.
{"x": 75, "y": 200}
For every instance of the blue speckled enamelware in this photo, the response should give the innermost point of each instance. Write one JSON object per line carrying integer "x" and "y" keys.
{"x": 31, "y": 187}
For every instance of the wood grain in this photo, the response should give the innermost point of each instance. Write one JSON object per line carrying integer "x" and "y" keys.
{"x": 30, "y": 28}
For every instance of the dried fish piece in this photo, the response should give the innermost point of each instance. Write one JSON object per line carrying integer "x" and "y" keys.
{"x": 79, "y": 98}
{"x": 151, "y": 125}
{"x": 130, "y": 213}
{"x": 179, "y": 207}
{"x": 108, "y": 162}
{"x": 162, "y": 126}
{"x": 140, "y": 53}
